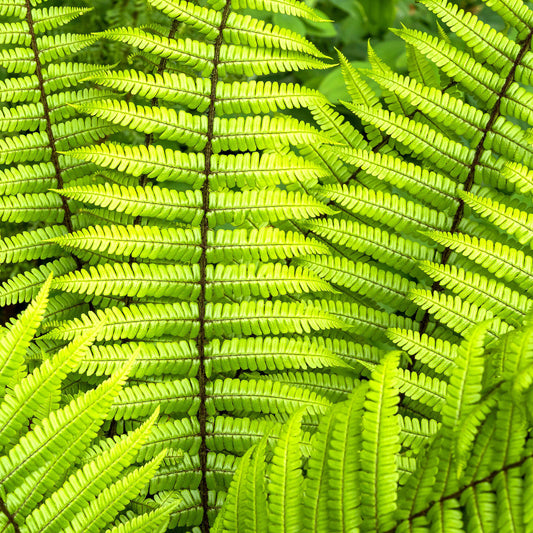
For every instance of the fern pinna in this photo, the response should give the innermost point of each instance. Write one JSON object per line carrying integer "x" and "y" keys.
{"x": 38, "y": 123}
{"x": 190, "y": 259}
{"x": 431, "y": 235}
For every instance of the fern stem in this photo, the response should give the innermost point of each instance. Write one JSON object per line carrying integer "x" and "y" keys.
{"x": 204, "y": 228}
{"x": 495, "y": 113}
{"x": 10, "y": 517}
{"x": 54, "y": 157}
{"x": 480, "y": 148}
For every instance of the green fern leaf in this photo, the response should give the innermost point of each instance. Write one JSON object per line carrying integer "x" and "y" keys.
{"x": 380, "y": 443}
{"x": 18, "y": 337}
{"x": 499, "y": 259}
{"x": 284, "y": 484}
{"x": 515, "y": 222}
{"x": 344, "y": 494}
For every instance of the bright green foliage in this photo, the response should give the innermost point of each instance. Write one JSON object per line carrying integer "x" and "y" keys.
{"x": 255, "y": 258}
{"x": 432, "y": 228}
{"x": 458, "y": 481}
{"x": 40, "y": 86}
{"x": 185, "y": 247}
{"x": 47, "y": 484}
{"x": 433, "y": 208}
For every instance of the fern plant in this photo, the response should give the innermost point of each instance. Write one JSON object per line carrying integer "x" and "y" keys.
{"x": 263, "y": 265}
{"x": 55, "y": 475}
{"x": 431, "y": 235}
{"x": 38, "y": 122}
{"x": 352, "y": 480}
{"x": 415, "y": 236}
{"x": 188, "y": 255}
{"x": 437, "y": 190}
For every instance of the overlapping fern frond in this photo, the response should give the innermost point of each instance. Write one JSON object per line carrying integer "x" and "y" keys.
{"x": 432, "y": 208}
{"x": 432, "y": 228}
{"x": 264, "y": 266}
{"x": 55, "y": 475}
{"x": 473, "y": 474}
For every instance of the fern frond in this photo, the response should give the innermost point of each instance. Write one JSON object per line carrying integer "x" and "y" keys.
{"x": 457, "y": 314}
{"x": 114, "y": 497}
{"x": 332, "y": 387}
{"x": 262, "y": 396}
{"x": 380, "y": 443}
{"x": 150, "y": 522}
{"x": 392, "y": 210}
{"x": 266, "y": 243}
{"x": 420, "y": 68}
{"x": 34, "y": 390}
{"x": 296, "y": 8}
{"x": 465, "y": 386}
{"x": 450, "y": 155}
{"x": 84, "y": 485}
{"x": 176, "y": 244}
{"x": 378, "y": 243}
{"x": 263, "y": 206}
{"x": 31, "y": 208}
{"x": 314, "y": 501}
{"x": 285, "y": 480}
{"x": 357, "y": 87}
{"x": 512, "y": 220}
{"x": 18, "y": 337}
{"x": 363, "y": 320}
{"x": 422, "y": 388}
{"x": 263, "y": 317}
{"x": 24, "y": 286}
{"x": 263, "y": 97}
{"x": 134, "y": 322}
{"x": 515, "y": 13}
{"x": 367, "y": 280}
{"x": 504, "y": 137}
{"x": 172, "y": 244}
{"x": 153, "y": 202}
{"x": 153, "y": 358}
{"x": 456, "y": 64}
{"x": 490, "y": 45}
{"x": 475, "y": 288}
{"x": 41, "y": 489}
{"x": 344, "y": 493}
{"x": 438, "y": 189}
{"x": 519, "y": 175}
{"x": 414, "y": 432}
{"x": 271, "y": 353}
{"x": 198, "y": 274}
{"x": 140, "y": 280}
{"x": 239, "y": 434}
{"x": 235, "y": 514}
{"x": 138, "y": 401}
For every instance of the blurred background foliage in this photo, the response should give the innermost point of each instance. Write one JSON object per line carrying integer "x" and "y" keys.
{"x": 355, "y": 23}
